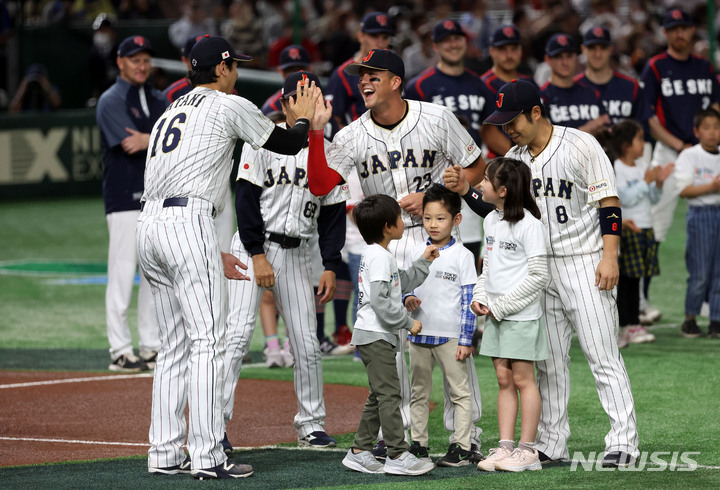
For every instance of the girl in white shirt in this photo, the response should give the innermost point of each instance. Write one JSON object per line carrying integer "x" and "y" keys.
{"x": 508, "y": 292}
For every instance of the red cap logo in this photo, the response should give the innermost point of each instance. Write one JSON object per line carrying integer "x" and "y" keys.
{"x": 499, "y": 100}
{"x": 676, "y": 14}
{"x": 562, "y": 40}
{"x": 294, "y": 53}
{"x": 598, "y": 32}
{"x": 367, "y": 58}
{"x": 508, "y": 32}
{"x": 381, "y": 19}
{"x": 139, "y": 40}
{"x": 449, "y": 25}
{"x": 304, "y": 79}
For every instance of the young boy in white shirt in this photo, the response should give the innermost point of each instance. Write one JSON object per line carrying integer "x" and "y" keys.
{"x": 442, "y": 304}
{"x": 380, "y": 316}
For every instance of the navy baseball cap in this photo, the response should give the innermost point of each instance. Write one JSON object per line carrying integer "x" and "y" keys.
{"x": 597, "y": 35}
{"x": 294, "y": 55}
{"x": 134, "y": 44}
{"x": 290, "y": 86}
{"x": 503, "y": 35}
{"x": 675, "y": 18}
{"x": 377, "y": 23}
{"x": 446, "y": 28}
{"x": 189, "y": 43}
{"x": 560, "y": 43}
{"x": 379, "y": 59}
{"x": 512, "y": 99}
{"x": 212, "y": 50}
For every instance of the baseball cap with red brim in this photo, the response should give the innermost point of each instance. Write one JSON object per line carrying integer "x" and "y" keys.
{"x": 512, "y": 99}
{"x": 212, "y": 50}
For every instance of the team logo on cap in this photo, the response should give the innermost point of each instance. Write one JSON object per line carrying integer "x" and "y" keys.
{"x": 562, "y": 40}
{"x": 139, "y": 40}
{"x": 499, "y": 100}
{"x": 304, "y": 79}
{"x": 294, "y": 53}
{"x": 225, "y": 55}
{"x": 598, "y": 32}
{"x": 381, "y": 19}
{"x": 676, "y": 14}
{"x": 449, "y": 25}
{"x": 367, "y": 58}
{"x": 508, "y": 32}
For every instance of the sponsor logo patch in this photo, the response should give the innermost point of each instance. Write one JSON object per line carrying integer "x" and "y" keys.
{"x": 598, "y": 186}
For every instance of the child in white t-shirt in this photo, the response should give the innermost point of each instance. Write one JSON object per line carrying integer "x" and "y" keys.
{"x": 508, "y": 292}
{"x": 442, "y": 304}
{"x": 381, "y": 315}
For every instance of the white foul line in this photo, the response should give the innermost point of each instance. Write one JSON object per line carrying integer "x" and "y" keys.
{"x": 74, "y": 441}
{"x": 76, "y": 380}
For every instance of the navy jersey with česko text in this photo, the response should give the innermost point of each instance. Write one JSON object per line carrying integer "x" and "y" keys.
{"x": 571, "y": 107}
{"x": 620, "y": 96}
{"x": 676, "y": 90}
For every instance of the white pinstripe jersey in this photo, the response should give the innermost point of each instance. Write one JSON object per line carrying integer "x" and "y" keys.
{"x": 286, "y": 203}
{"x": 569, "y": 178}
{"x": 191, "y": 145}
{"x": 406, "y": 159}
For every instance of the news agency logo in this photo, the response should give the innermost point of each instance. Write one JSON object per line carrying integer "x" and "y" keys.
{"x": 647, "y": 461}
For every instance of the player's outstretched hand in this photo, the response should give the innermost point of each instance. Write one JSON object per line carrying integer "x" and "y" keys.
{"x": 454, "y": 179}
{"x": 303, "y": 104}
{"x": 412, "y": 203}
{"x": 463, "y": 352}
{"x": 416, "y": 328}
{"x": 264, "y": 274}
{"x": 136, "y": 142}
{"x": 607, "y": 274}
{"x": 412, "y": 303}
{"x": 232, "y": 266}
{"x": 479, "y": 309}
{"x": 323, "y": 113}
{"x": 431, "y": 253}
{"x": 327, "y": 286}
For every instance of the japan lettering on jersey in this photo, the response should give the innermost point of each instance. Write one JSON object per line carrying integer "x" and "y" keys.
{"x": 407, "y": 158}
{"x": 571, "y": 107}
{"x": 465, "y": 95}
{"x": 569, "y": 178}
{"x": 620, "y": 96}
{"x": 676, "y": 90}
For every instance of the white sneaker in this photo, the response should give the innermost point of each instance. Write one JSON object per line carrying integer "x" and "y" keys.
{"x": 496, "y": 454}
{"x": 364, "y": 462}
{"x": 649, "y": 315}
{"x": 407, "y": 464}
{"x": 637, "y": 334}
{"x": 274, "y": 359}
{"x": 288, "y": 359}
{"x": 520, "y": 460}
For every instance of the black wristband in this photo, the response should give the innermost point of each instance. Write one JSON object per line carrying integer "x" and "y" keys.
{"x": 610, "y": 220}
{"x": 302, "y": 120}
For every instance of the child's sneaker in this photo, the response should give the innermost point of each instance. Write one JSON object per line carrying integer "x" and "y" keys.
{"x": 456, "y": 456}
{"x": 343, "y": 335}
{"x": 496, "y": 454}
{"x": 407, "y": 464}
{"x": 475, "y": 454}
{"x": 520, "y": 460}
{"x": 379, "y": 450}
{"x": 714, "y": 330}
{"x": 364, "y": 462}
{"x": 420, "y": 452}
{"x": 637, "y": 334}
{"x": 690, "y": 329}
{"x": 274, "y": 359}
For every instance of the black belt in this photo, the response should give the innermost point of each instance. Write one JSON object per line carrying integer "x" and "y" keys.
{"x": 170, "y": 201}
{"x": 285, "y": 241}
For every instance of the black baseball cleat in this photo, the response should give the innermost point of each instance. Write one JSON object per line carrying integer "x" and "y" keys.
{"x": 617, "y": 459}
{"x": 545, "y": 459}
{"x": 224, "y": 471}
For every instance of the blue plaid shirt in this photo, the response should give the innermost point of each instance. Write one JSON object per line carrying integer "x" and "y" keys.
{"x": 467, "y": 317}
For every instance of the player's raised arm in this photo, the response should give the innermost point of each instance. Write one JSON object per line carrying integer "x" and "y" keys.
{"x": 321, "y": 178}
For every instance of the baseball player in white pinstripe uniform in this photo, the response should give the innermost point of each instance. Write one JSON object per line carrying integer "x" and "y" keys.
{"x": 398, "y": 148}
{"x": 188, "y": 165}
{"x": 574, "y": 184}
{"x": 279, "y": 216}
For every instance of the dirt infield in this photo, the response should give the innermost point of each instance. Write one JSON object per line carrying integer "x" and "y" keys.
{"x": 104, "y": 416}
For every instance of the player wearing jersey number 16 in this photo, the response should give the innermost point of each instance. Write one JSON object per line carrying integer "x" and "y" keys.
{"x": 187, "y": 170}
